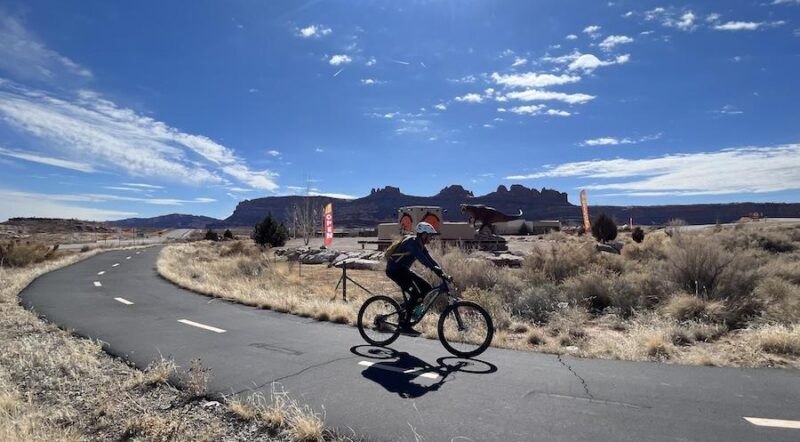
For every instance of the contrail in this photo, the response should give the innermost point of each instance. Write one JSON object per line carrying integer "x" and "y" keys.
{"x": 338, "y": 72}
{"x": 400, "y": 62}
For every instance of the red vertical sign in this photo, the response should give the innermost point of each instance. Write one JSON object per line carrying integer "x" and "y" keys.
{"x": 327, "y": 219}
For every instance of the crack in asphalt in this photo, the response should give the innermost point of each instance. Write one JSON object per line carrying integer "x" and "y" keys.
{"x": 291, "y": 375}
{"x": 583, "y": 381}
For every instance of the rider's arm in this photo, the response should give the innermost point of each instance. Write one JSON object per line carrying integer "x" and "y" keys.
{"x": 425, "y": 258}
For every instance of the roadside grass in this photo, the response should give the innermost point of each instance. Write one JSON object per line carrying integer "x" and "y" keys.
{"x": 724, "y": 298}
{"x": 57, "y": 386}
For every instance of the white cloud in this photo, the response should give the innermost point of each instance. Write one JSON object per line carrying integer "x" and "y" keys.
{"x": 253, "y": 90}
{"x": 371, "y": 81}
{"x": 468, "y": 79}
{"x": 440, "y": 106}
{"x": 558, "y": 113}
{"x": 25, "y": 56}
{"x": 519, "y": 61}
{"x": 613, "y": 40}
{"x": 628, "y": 14}
{"x": 571, "y": 37}
{"x": 371, "y": 62}
{"x": 786, "y": 2}
{"x": 532, "y": 79}
{"x": 713, "y": 17}
{"x": 685, "y": 23}
{"x": 314, "y": 31}
{"x": 50, "y": 161}
{"x": 470, "y": 98}
{"x": 740, "y": 26}
{"x": 768, "y": 169}
{"x": 338, "y": 60}
{"x": 144, "y": 186}
{"x": 26, "y": 204}
{"x": 541, "y": 95}
{"x": 95, "y": 131}
{"x": 613, "y": 141}
{"x": 588, "y": 62}
{"x": 342, "y": 196}
{"x": 592, "y": 31}
{"x": 488, "y": 126}
{"x": 729, "y": 110}
{"x": 654, "y": 13}
{"x": 528, "y": 110}
{"x": 319, "y": 150}
{"x": 273, "y": 153}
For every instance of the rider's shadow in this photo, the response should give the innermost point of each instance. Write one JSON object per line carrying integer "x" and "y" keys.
{"x": 411, "y": 377}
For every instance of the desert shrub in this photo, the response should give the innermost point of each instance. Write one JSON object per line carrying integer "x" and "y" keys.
{"x": 685, "y": 307}
{"x": 652, "y": 248}
{"x": 85, "y": 249}
{"x": 21, "y": 254}
{"x": 770, "y": 240}
{"x": 475, "y": 272}
{"x": 701, "y": 266}
{"x": 211, "y": 235}
{"x": 781, "y": 300}
{"x": 268, "y": 233}
{"x": 637, "y": 235}
{"x": 536, "y": 303}
{"x": 249, "y": 267}
{"x": 498, "y": 310}
{"x": 228, "y": 234}
{"x": 593, "y": 289}
{"x": 604, "y": 229}
{"x": 786, "y": 267}
{"x": 675, "y": 226}
{"x": 779, "y": 339}
{"x": 641, "y": 287}
{"x": 558, "y": 262}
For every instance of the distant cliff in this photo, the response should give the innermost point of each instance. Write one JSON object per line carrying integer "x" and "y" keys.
{"x": 174, "y": 220}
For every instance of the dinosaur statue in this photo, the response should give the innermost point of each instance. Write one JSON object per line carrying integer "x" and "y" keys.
{"x": 486, "y": 216}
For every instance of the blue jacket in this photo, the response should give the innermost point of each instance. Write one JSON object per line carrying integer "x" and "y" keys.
{"x": 410, "y": 250}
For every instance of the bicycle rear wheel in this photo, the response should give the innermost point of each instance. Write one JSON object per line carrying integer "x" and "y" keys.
{"x": 379, "y": 320}
{"x": 465, "y": 329}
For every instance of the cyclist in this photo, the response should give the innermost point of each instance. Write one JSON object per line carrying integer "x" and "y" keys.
{"x": 398, "y": 268}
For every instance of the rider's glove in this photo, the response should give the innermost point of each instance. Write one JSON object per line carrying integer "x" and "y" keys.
{"x": 447, "y": 277}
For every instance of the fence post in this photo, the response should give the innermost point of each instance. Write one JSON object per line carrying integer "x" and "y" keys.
{"x": 344, "y": 280}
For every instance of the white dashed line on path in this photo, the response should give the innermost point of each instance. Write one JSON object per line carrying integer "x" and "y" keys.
{"x": 100, "y": 273}
{"x": 203, "y": 326}
{"x": 124, "y": 301}
{"x": 409, "y": 371}
{"x": 777, "y": 423}
{"x": 97, "y": 284}
{"x": 138, "y": 253}
{"x": 127, "y": 257}
{"x": 115, "y": 265}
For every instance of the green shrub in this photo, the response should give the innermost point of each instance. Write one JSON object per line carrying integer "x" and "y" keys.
{"x": 228, "y": 234}
{"x": 211, "y": 235}
{"x": 268, "y": 233}
{"x": 637, "y": 235}
{"x": 604, "y": 229}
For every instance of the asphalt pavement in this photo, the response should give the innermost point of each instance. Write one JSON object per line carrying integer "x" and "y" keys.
{"x": 413, "y": 390}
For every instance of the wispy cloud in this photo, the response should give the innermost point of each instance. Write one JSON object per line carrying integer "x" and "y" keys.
{"x": 26, "y": 57}
{"x": 313, "y": 31}
{"x": 144, "y": 186}
{"x": 613, "y": 141}
{"x": 592, "y": 31}
{"x": 95, "y": 131}
{"x": 746, "y": 25}
{"x": 571, "y": 37}
{"x": 519, "y": 61}
{"x": 371, "y": 62}
{"x": 768, "y": 169}
{"x": 611, "y": 41}
{"x": 577, "y": 61}
{"x": 371, "y": 81}
{"x": 541, "y": 95}
{"x": 50, "y": 161}
{"x": 273, "y": 153}
{"x": 467, "y": 79}
{"x": 14, "y": 203}
{"x": 533, "y": 79}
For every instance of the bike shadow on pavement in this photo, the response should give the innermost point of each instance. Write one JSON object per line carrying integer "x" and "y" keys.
{"x": 411, "y": 377}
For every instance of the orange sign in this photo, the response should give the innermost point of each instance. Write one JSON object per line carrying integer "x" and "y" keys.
{"x": 327, "y": 219}
{"x": 585, "y": 208}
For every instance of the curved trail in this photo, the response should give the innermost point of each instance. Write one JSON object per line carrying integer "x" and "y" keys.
{"x": 417, "y": 389}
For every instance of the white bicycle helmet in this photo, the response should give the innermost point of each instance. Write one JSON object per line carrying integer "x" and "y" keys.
{"x": 424, "y": 227}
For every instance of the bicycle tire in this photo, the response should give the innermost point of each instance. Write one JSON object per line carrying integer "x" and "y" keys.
{"x": 393, "y": 305}
{"x": 484, "y": 315}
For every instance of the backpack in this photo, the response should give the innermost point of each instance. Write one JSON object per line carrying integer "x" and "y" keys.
{"x": 387, "y": 254}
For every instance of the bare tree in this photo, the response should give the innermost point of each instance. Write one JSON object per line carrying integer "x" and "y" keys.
{"x": 305, "y": 218}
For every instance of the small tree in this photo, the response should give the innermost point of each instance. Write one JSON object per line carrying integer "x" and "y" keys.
{"x": 212, "y": 235}
{"x": 604, "y": 228}
{"x": 306, "y": 219}
{"x": 269, "y": 233}
{"x": 637, "y": 234}
{"x": 228, "y": 234}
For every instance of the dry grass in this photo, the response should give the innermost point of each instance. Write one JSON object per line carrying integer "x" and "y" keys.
{"x": 55, "y": 386}
{"x": 690, "y": 298}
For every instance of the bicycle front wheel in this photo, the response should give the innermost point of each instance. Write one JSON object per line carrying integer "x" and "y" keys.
{"x": 465, "y": 329}
{"x": 379, "y": 320}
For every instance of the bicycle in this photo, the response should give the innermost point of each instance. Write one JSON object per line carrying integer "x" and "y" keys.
{"x": 465, "y": 328}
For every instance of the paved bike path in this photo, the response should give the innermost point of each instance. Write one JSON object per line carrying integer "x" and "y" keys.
{"x": 416, "y": 390}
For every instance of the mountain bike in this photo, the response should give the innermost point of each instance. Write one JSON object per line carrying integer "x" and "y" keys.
{"x": 465, "y": 328}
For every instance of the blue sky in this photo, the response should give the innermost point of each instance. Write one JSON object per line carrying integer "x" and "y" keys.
{"x": 118, "y": 109}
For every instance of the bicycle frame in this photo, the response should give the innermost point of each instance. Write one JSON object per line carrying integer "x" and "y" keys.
{"x": 441, "y": 289}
